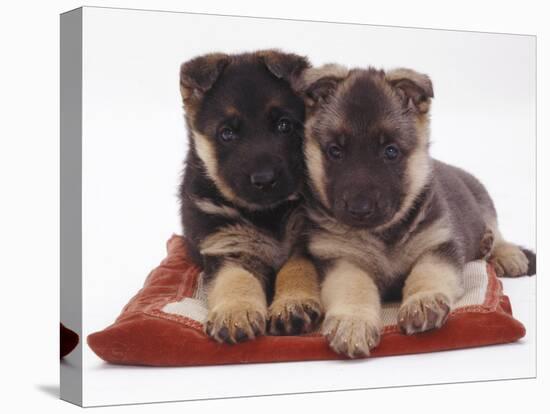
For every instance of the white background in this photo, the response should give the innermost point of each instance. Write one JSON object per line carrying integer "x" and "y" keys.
{"x": 31, "y": 243}
{"x": 134, "y": 142}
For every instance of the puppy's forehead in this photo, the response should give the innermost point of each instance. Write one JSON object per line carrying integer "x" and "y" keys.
{"x": 364, "y": 107}
{"x": 249, "y": 87}
{"x": 366, "y": 101}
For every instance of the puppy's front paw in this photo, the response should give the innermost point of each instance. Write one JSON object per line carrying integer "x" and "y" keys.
{"x": 294, "y": 316}
{"x": 422, "y": 312}
{"x": 352, "y": 334}
{"x": 236, "y": 321}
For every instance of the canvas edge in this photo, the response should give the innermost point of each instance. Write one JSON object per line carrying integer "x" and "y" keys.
{"x": 71, "y": 29}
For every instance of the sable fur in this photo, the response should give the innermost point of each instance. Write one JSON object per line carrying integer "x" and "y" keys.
{"x": 239, "y": 230}
{"x": 407, "y": 224}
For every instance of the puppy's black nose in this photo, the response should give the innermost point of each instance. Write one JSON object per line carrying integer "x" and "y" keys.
{"x": 359, "y": 207}
{"x": 263, "y": 179}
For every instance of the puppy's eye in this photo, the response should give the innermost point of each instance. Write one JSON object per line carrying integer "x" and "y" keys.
{"x": 284, "y": 126}
{"x": 391, "y": 152}
{"x": 335, "y": 152}
{"x": 227, "y": 134}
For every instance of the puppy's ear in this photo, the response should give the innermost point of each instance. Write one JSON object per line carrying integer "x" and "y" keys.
{"x": 317, "y": 85}
{"x": 287, "y": 66}
{"x": 415, "y": 89}
{"x": 198, "y": 75}
{"x": 320, "y": 91}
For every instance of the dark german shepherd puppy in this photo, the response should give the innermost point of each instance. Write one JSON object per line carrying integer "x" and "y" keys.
{"x": 385, "y": 216}
{"x": 241, "y": 192}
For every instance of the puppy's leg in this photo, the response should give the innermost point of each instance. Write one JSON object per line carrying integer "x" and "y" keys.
{"x": 237, "y": 305}
{"x": 509, "y": 260}
{"x": 296, "y": 306}
{"x": 351, "y": 300}
{"x": 428, "y": 295}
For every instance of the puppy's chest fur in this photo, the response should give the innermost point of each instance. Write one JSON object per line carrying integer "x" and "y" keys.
{"x": 267, "y": 236}
{"x": 388, "y": 257}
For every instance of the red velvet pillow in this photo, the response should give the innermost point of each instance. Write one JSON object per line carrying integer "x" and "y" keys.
{"x": 162, "y": 324}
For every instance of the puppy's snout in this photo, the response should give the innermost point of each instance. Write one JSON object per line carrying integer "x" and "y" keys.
{"x": 359, "y": 207}
{"x": 264, "y": 179}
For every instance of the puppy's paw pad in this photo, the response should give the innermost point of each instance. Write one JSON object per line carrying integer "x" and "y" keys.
{"x": 236, "y": 322}
{"x": 422, "y": 312}
{"x": 353, "y": 335}
{"x": 294, "y": 316}
{"x": 509, "y": 261}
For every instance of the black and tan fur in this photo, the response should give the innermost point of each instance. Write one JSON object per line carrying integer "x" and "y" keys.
{"x": 241, "y": 192}
{"x": 384, "y": 225}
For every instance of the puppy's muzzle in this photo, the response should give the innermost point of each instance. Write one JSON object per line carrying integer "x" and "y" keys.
{"x": 264, "y": 179}
{"x": 359, "y": 207}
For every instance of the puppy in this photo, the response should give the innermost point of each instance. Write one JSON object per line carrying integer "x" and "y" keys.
{"x": 387, "y": 220}
{"x": 240, "y": 195}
